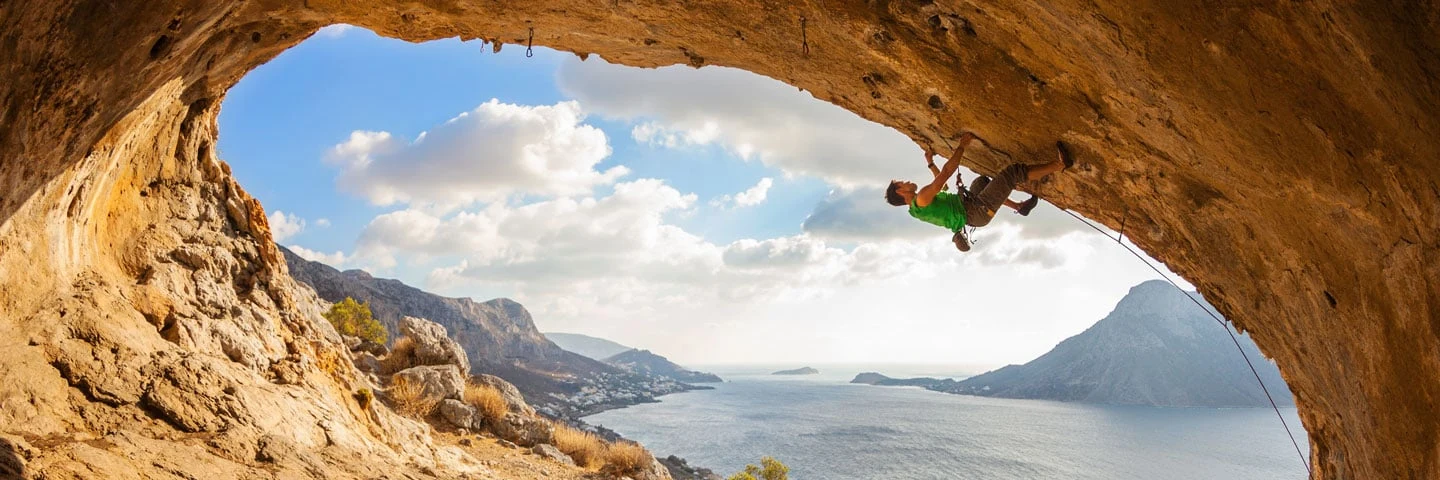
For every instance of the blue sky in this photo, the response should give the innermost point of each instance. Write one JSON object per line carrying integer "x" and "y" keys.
{"x": 715, "y": 215}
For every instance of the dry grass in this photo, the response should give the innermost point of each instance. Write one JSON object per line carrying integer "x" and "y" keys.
{"x": 401, "y": 356}
{"x": 585, "y": 448}
{"x": 623, "y": 458}
{"x": 488, "y": 400}
{"x": 409, "y": 399}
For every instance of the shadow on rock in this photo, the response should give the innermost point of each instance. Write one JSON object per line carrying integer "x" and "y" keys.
{"x": 12, "y": 462}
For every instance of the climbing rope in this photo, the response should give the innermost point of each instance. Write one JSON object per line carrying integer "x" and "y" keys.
{"x": 1223, "y": 324}
{"x": 804, "y": 37}
{"x": 530, "y": 44}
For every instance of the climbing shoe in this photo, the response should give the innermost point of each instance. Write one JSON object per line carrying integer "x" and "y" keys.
{"x": 961, "y": 243}
{"x": 1065, "y": 154}
{"x": 1028, "y": 205}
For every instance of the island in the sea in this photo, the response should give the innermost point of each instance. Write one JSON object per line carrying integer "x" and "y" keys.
{"x": 872, "y": 378}
{"x": 798, "y": 371}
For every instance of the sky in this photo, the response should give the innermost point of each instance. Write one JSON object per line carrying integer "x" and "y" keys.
{"x": 712, "y": 215}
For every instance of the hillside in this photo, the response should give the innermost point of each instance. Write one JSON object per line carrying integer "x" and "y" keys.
{"x": 643, "y": 361}
{"x": 1155, "y": 348}
{"x": 593, "y": 347}
{"x": 499, "y": 337}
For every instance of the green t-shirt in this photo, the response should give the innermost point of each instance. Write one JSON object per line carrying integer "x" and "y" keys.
{"x": 946, "y": 210}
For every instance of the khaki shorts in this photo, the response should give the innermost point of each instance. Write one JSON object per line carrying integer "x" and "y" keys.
{"x": 980, "y": 207}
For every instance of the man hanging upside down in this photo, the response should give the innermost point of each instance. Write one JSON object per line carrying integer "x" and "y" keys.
{"x": 976, "y": 207}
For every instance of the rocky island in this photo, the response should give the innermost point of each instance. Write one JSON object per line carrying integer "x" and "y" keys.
{"x": 873, "y": 378}
{"x": 798, "y": 371}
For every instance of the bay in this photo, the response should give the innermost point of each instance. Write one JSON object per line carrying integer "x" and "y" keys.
{"x": 825, "y": 428}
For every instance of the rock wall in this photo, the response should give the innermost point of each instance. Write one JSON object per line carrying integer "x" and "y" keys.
{"x": 1279, "y": 155}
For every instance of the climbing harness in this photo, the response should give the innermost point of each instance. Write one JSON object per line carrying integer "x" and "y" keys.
{"x": 530, "y": 44}
{"x": 1223, "y": 324}
{"x": 804, "y": 38}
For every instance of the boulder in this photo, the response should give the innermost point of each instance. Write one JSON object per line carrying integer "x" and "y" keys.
{"x": 513, "y": 398}
{"x": 350, "y": 341}
{"x": 656, "y": 471}
{"x": 681, "y": 470}
{"x": 524, "y": 430}
{"x": 366, "y": 362}
{"x": 443, "y": 381}
{"x": 432, "y": 345}
{"x": 549, "y": 451}
{"x": 457, "y": 413}
{"x": 376, "y": 349}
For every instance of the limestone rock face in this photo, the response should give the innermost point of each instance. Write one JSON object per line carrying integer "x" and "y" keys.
{"x": 1281, "y": 156}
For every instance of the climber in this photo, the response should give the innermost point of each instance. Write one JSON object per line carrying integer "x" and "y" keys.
{"x": 977, "y": 206}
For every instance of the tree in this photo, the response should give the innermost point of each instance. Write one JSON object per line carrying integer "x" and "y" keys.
{"x": 353, "y": 318}
{"x": 769, "y": 469}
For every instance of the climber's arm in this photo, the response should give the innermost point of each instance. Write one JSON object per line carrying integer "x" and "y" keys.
{"x": 942, "y": 175}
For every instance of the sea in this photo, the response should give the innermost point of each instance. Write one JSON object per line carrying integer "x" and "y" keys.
{"x": 824, "y": 428}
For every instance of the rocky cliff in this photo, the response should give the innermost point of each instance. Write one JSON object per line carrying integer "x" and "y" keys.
{"x": 1156, "y": 348}
{"x": 1279, "y": 155}
{"x": 150, "y": 329}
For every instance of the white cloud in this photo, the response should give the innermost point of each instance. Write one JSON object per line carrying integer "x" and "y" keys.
{"x": 612, "y": 253}
{"x": 861, "y": 214}
{"x": 483, "y": 155}
{"x": 322, "y": 222}
{"x": 754, "y": 116}
{"x": 335, "y": 259}
{"x": 750, "y": 197}
{"x": 284, "y": 226}
{"x": 334, "y": 31}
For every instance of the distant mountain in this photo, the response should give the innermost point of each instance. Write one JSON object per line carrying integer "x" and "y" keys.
{"x": 1155, "y": 348}
{"x": 498, "y": 335}
{"x": 642, "y": 361}
{"x": 872, "y": 378}
{"x": 798, "y": 371}
{"x": 593, "y": 347}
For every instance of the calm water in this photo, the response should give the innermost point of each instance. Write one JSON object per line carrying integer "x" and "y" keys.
{"x": 824, "y": 428}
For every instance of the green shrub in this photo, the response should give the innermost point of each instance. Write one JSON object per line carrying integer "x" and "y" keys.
{"x": 364, "y": 396}
{"x": 353, "y": 318}
{"x": 769, "y": 469}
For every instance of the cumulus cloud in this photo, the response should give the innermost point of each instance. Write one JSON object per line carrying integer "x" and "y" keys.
{"x": 750, "y": 197}
{"x": 322, "y": 222}
{"x": 483, "y": 155}
{"x": 283, "y": 226}
{"x": 334, "y": 259}
{"x": 862, "y": 215}
{"x": 754, "y": 116}
{"x": 614, "y": 251}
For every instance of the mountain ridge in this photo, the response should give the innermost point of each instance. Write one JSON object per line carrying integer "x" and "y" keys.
{"x": 1155, "y": 348}
{"x": 498, "y": 335}
{"x": 590, "y": 346}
